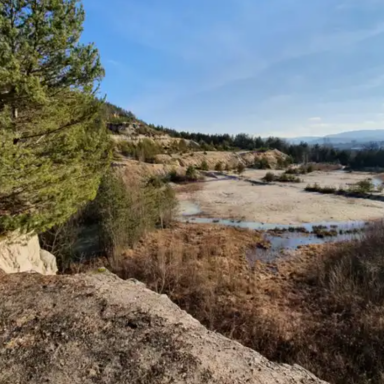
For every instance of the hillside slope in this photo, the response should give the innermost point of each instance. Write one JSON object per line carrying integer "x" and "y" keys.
{"x": 100, "y": 329}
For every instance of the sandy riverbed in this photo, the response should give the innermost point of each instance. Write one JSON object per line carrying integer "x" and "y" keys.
{"x": 283, "y": 203}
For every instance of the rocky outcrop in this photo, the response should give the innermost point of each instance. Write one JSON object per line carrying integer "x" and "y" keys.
{"x": 232, "y": 159}
{"x": 97, "y": 328}
{"x": 23, "y": 254}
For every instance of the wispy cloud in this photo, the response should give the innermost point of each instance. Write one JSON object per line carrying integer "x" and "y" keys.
{"x": 232, "y": 65}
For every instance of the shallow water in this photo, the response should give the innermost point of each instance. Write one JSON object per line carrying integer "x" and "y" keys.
{"x": 377, "y": 182}
{"x": 268, "y": 226}
{"x": 284, "y": 241}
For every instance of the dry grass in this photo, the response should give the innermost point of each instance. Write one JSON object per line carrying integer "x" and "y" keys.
{"x": 322, "y": 308}
{"x": 325, "y": 167}
{"x": 339, "y": 293}
{"x": 189, "y": 188}
{"x": 204, "y": 270}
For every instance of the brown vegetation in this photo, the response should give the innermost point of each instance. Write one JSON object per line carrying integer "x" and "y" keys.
{"x": 320, "y": 309}
{"x": 312, "y": 167}
{"x": 283, "y": 178}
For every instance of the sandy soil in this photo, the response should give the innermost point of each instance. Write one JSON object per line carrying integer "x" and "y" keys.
{"x": 284, "y": 203}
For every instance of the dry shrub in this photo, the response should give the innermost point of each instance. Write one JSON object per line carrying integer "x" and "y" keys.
{"x": 325, "y": 167}
{"x": 354, "y": 272}
{"x": 343, "y": 341}
{"x": 205, "y": 272}
{"x": 189, "y": 188}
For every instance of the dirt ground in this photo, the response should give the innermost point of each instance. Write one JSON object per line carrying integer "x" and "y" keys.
{"x": 282, "y": 203}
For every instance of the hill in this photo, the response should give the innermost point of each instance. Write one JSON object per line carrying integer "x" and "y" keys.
{"x": 147, "y": 150}
{"x": 352, "y": 137}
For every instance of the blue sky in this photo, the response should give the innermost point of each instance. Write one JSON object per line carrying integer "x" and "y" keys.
{"x": 265, "y": 67}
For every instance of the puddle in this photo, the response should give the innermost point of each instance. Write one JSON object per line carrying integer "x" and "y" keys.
{"x": 377, "y": 182}
{"x": 285, "y": 240}
{"x": 350, "y": 225}
{"x": 291, "y": 240}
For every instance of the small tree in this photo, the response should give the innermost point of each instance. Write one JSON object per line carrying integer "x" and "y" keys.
{"x": 310, "y": 168}
{"x": 240, "y": 168}
{"x": 264, "y": 163}
{"x": 227, "y": 167}
{"x": 269, "y": 177}
{"x": 219, "y": 166}
{"x": 363, "y": 186}
{"x": 191, "y": 173}
{"x": 204, "y": 166}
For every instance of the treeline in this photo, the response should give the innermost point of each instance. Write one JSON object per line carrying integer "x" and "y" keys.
{"x": 115, "y": 114}
{"x": 300, "y": 153}
{"x": 371, "y": 157}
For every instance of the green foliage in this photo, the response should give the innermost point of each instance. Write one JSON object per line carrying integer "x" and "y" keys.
{"x": 115, "y": 114}
{"x": 263, "y": 163}
{"x": 118, "y": 217}
{"x": 145, "y": 150}
{"x": 204, "y": 166}
{"x": 317, "y": 188}
{"x": 53, "y": 147}
{"x": 191, "y": 173}
{"x": 125, "y": 214}
{"x": 363, "y": 186}
{"x": 288, "y": 179}
{"x": 40, "y": 52}
{"x": 269, "y": 177}
{"x": 45, "y": 179}
{"x": 219, "y": 166}
{"x": 127, "y": 148}
{"x": 293, "y": 171}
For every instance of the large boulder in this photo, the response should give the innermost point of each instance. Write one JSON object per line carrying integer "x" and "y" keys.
{"x": 22, "y": 253}
{"x": 97, "y": 328}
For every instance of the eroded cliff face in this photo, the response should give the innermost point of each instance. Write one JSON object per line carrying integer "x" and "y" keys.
{"x": 97, "y": 328}
{"x": 23, "y": 254}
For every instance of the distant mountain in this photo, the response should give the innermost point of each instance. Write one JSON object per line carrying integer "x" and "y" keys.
{"x": 301, "y": 139}
{"x": 361, "y": 136}
{"x": 350, "y": 137}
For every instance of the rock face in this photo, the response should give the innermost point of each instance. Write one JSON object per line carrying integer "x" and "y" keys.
{"x": 97, "y": 328}
{"x": 232, "y": 159}
{"x": 23, "y": 254}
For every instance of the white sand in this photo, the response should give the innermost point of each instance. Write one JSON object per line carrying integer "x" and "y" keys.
{"x": 284, "y": 203}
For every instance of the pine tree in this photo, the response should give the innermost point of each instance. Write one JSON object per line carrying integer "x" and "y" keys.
{"x": 53, "y": 143}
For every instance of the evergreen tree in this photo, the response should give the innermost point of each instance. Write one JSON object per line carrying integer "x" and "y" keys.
{"x": 53, "y": 143}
